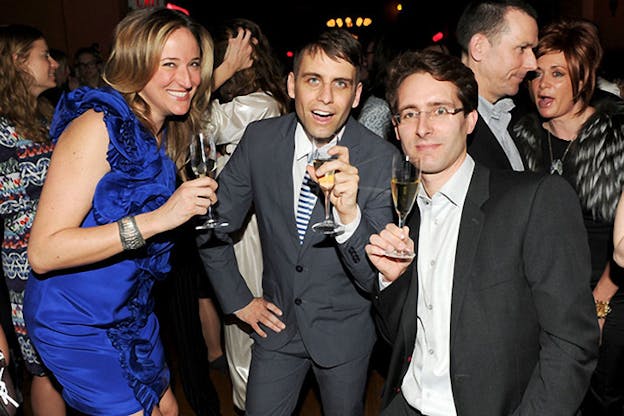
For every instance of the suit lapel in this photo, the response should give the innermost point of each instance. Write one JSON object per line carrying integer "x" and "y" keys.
{"x": 409, "y": 321}
{"x": 470, "y": 228}
{"x": 282, "y": 166}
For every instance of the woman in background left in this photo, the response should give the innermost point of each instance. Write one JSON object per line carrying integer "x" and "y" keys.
{"x": 102, "y": 236}
{"x": 27, "y": 71}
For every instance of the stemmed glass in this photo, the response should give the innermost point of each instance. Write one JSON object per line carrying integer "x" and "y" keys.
{"x": 203, "y": 161}
{"x": 404, "y": 187}
{"x": 326, "y": 183}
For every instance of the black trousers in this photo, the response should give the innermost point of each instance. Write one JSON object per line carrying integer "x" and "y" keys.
{"x": 606, "y": 393}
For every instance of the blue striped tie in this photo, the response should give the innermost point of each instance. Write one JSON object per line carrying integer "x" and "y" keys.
{"x": 307, "y": 200}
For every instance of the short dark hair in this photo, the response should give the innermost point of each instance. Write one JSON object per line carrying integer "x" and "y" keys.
{"x": 579, "y": 42}
{"x": 265, "y": 74}
{"x": 442, "y": 67}
{"x": 487, "y": 17}
{"x": 90, "y": 50}
{"x": 337, "y": 44}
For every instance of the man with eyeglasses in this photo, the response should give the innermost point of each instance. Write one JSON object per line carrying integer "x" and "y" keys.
{"x": 493, "y": 316}
{"x": 89, "y": 67}
{"x": 497, "y": 37}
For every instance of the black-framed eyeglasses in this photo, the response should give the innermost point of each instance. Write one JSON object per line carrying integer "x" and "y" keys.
{"x": 409, "y": 115}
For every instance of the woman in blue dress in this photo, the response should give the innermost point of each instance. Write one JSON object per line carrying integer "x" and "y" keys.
{"x": 100, "y": 238}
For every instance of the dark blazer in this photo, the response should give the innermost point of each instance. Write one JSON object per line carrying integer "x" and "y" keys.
{"x": 485, "y": 149}
{"x": 322, "y": 287}
{"x": 524, "y": 333}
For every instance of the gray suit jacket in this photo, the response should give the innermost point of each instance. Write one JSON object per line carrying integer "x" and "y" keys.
{"x": 524, "y": 333}
{"x": 322, "y": 287}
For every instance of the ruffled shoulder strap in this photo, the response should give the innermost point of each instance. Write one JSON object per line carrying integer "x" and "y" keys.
{"x": 74, "y": 103}
{"x": 130, "y": 141}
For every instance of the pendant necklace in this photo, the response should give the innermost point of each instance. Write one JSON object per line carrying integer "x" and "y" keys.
{"x": 556, "y": 165}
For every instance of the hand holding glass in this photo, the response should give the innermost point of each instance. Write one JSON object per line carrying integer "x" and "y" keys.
{"x": 404, "y": 187}
{"x": 326, "y": 182}
{"x": 203, "y": 160}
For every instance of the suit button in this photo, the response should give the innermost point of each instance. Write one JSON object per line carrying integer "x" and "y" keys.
{"x": 299, "y": 268}
{"x": 297, "y": 301}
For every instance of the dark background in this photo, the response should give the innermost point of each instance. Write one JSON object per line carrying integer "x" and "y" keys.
{"x": 71, "y": 24}
{"x": 288, "y": 24}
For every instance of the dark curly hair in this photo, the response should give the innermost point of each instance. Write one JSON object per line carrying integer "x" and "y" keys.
{"x": 266, "y": 73}
{"x": 28, "y": 113}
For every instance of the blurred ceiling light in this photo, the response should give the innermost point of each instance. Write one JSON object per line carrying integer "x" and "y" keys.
{"x": 399, "y": 7}
{"x": 348, "y": 22}
{"x": 178, "y": 8}
{"x": 437, "y": 37}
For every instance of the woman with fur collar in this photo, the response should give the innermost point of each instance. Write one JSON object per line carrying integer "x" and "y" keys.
{"x": 584, "y": 144}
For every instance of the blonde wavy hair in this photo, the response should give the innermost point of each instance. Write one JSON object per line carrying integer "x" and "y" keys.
{"x": 137, "y": 46}
{"x": 29, "y": 114}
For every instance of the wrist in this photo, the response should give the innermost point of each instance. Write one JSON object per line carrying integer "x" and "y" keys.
{"x": 347, "y": 216}
{"x": 129, "y": 234}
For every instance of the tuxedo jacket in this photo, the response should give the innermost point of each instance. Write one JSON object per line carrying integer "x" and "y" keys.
{"x": 485, "y": 148}
{"x": 323, "y": 288}
{"x": 523, "y": 330}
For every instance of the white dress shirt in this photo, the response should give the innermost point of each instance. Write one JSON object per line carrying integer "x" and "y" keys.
{"x": 427, "y": 383}
{"x": 303, "y": 148}
{"x": 497, "y": 117}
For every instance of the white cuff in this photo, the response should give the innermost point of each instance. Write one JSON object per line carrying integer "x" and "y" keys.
{"x": 350, "y": 228}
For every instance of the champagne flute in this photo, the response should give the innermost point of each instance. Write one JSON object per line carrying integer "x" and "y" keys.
{"x": 404, "y": 187}
{"x": 203, "y": 160}
{"x": 326, "y": 183}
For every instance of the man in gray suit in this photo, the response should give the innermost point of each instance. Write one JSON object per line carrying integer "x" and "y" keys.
{"x": 316, "y": 310}
{"x": 494, "y": 316}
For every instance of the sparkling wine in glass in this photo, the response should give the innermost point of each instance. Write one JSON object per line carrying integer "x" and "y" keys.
{"x": 326, "y": 183}
{"x": 203, "y": 160}
{"x": 404, "y": 187}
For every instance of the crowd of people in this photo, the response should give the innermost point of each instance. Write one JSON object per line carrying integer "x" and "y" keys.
{"x": 511, "y": 303}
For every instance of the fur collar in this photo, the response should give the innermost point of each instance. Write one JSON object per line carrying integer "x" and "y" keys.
{"x": 595, "y": 161}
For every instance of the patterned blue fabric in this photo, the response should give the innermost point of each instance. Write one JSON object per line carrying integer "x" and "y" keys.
{"x": 94, "y": 326}
{"x": 23, "y": 167}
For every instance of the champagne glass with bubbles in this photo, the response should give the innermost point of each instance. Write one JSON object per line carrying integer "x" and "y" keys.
{"x": 404, "y": 187}
{"x": 203, "y": 161}
{"x": 326, "y": 183}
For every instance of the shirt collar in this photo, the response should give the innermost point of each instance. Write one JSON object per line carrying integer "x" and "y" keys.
{"x": 495, "y": 111}
{"x": 456, "y": 188}
{"x": 303, "y": 142}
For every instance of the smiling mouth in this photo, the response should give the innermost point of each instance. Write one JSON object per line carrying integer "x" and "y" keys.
{"x": 179, "y": 94}
{"x": 322, "y": 114}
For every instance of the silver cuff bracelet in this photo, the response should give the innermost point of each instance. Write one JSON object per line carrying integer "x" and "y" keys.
{"x": 131, "y": 238}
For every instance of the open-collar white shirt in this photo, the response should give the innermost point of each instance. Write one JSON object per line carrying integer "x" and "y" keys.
{"x": 427, "y": 383}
